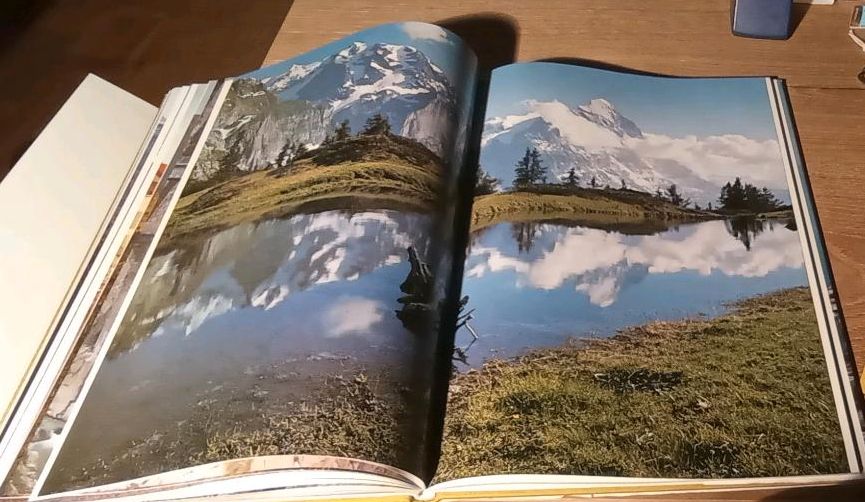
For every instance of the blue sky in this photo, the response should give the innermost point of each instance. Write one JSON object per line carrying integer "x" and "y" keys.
{"x": 672, "y": 106}
{"x": 440, "y": 46}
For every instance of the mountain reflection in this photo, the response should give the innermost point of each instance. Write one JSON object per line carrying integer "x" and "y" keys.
{"x": 260, "y": 265}
{"x": 601, "y": 263}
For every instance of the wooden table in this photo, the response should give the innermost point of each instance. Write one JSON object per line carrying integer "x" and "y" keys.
{"x": 148, "y": 47}
{"x": 676, "y": 37}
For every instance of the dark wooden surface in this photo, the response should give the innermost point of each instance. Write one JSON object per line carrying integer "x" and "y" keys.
{"x": 146, "y": 47}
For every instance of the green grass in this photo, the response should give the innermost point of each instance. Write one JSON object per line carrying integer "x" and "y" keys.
{"x": 600, "y": 206}
{"x": 351, "y": 422}
{"x": 744, "y": 394}
{"x": 377, "y": 184}
{"x": 344, "y": 417}
{"x": 362, "y": 172}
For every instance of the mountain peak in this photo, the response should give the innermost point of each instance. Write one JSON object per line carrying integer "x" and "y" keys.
{"x": 352, "y": 50}
{"x": 601, "y": 107}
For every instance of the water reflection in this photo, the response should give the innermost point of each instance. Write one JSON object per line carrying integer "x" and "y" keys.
{"x": 260, "y": 265}
{"x": 524, "y": 235}
{"x": 540, "y": 283}
{"x": 259, "y": 316}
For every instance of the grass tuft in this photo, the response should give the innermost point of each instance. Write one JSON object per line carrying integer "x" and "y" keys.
{"x": 352, "y": 422}
{"x": 745, "y": 394}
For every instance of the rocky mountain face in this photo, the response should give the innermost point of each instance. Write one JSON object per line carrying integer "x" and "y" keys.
{"x": 595, "y": 139}
{"x": 305, "y": 102}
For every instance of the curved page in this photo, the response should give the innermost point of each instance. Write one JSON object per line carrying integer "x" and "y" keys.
{"x": 291, "y": 304}
{"x": 641, "y": 288}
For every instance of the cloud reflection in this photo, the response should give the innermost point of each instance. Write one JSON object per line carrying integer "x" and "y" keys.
{"x": 600, "y": 261}
{"x": 352, "y": 315}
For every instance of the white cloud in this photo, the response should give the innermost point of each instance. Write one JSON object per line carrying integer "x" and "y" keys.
{"x": 598, "y": 260}
{"x": 425, "y": 31}
{"x": 602, "y": 292}
{"x": 717, "y": 159}
{"x": 352, "y": 315}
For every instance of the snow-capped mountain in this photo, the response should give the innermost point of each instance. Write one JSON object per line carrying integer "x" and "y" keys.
{"x": 304, "y": 102}
{"x": 599, "y": 142}
{"x": 361, "y": 80}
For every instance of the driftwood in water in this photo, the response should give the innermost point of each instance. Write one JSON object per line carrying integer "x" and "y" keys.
{"x": 418, "y": 282}
{"x": 417, "y": 312}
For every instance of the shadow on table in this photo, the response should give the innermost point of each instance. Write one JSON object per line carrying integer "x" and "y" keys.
{"x": 144, "y": 47}
{"x": 493, "y": 37}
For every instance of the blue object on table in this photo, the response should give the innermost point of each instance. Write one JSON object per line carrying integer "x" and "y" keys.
{"x": 761, "y": 18}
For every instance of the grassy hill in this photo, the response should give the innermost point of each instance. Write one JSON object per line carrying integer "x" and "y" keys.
{"x": 600, "y": 206}
{"x": 744, "y": 394}
{"x": 361, "y": 172}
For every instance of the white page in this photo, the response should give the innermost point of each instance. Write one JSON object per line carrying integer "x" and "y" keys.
{"x": 52, "y": 206}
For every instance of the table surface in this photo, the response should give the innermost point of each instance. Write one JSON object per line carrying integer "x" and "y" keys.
{"x": 674, "y": 37}
{"x": 148, "y": 47}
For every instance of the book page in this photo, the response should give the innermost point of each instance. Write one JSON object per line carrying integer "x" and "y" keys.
{"x": 291, "y": 303}
{"x": 638, "y": 299}
{"x": 74, "y": 169}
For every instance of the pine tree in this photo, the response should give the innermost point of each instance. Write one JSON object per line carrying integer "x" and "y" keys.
{"x": 732, "y": 195}
{"x": 594, "y": 182}
{"x": 738, "y": 196}
{"x": 377, "y": 125}
{"x": 529, "y": 170}
{"x": 573, "y": 179}
{"x": 537, "y": 170}
{"x": 709, "y": 206}
{"x": 486, "y": 184}
{"x": 675, "y": 197}
{"x": 624, "y": 186}
{"x": 522, "y": 170}
{"x": 343, "y": 131}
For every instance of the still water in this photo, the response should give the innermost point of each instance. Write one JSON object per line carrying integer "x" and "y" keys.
{"x": 262, "y": 312}
{"x": 538, "y": 284}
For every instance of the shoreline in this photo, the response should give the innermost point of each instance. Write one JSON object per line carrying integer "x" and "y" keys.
{"x": 594, "y": 206}
{"x": 724, "y": 397}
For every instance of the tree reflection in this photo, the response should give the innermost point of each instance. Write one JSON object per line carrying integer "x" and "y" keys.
{"x": 524, "y": 234}
{"x": 745, "y": 229}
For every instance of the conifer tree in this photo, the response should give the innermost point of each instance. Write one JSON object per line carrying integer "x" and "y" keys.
{"x": 486, "y": 184}
{"x": 522, "y": 174}
{"x": 537, "y": 170}
{"x": 530, "y": 170}
{"x": 343, "y": 131}
{"x": 377, "y": 125}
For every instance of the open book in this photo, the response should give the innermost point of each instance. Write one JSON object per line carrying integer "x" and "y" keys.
{"x": 370, "y": 271}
